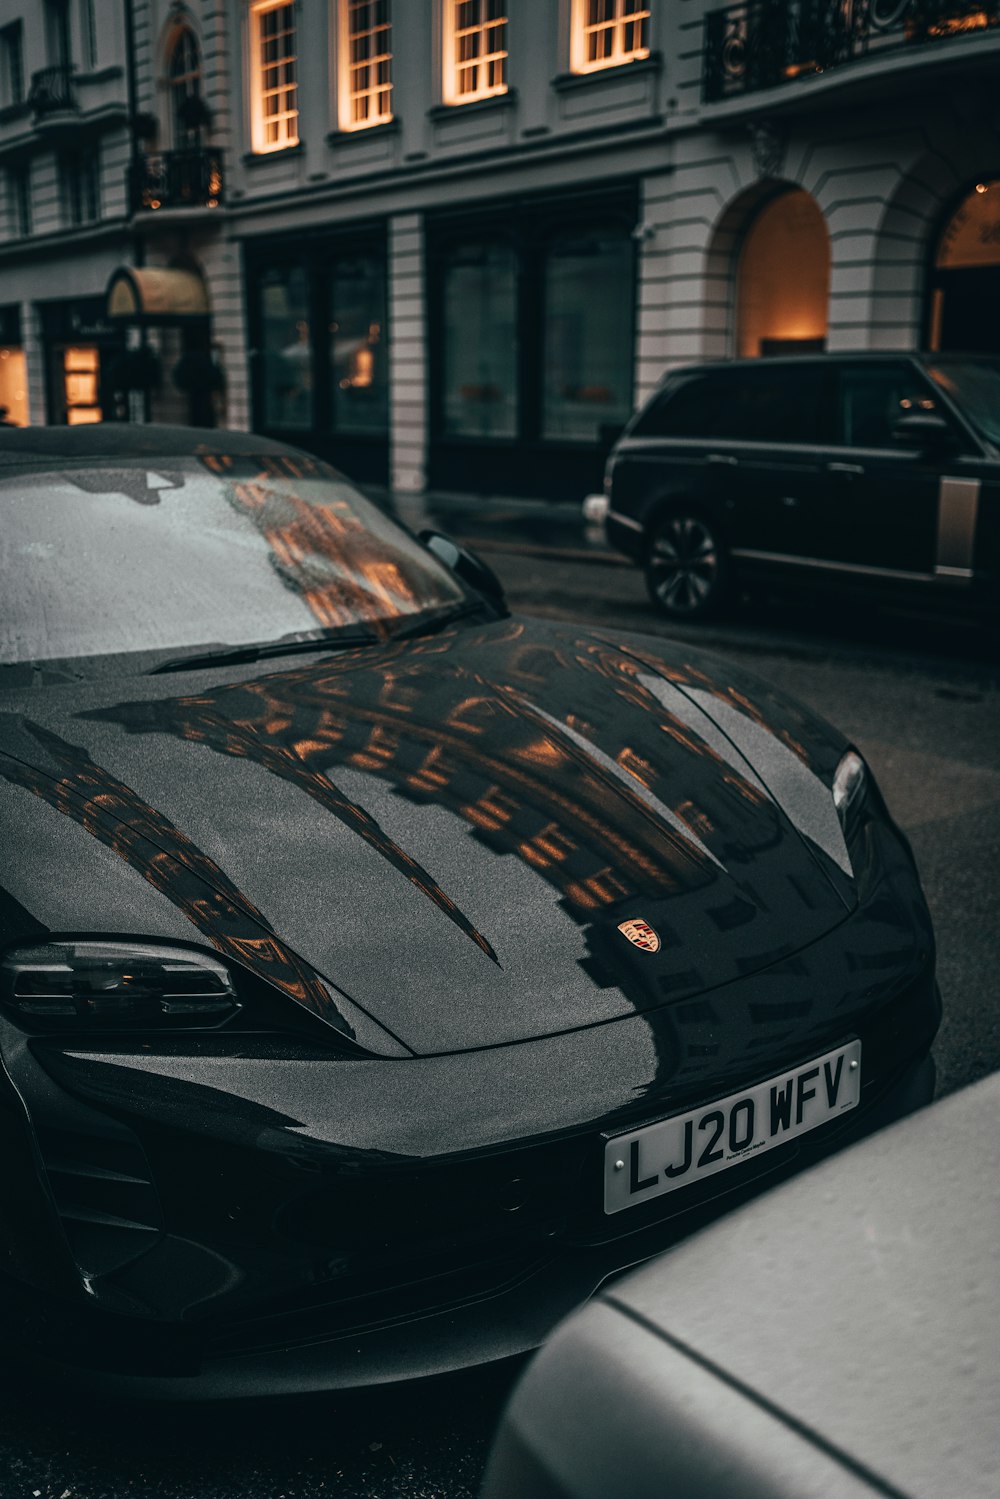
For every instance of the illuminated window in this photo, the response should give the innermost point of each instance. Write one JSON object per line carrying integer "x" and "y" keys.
{"x": 274, "y": 99}
{"x": 13, "y": 387}
{"x": 475, "y": 50}
{"x": 81, "y": 371}
{"x": 366, "y": 64}
{"x": 607, "y": 33}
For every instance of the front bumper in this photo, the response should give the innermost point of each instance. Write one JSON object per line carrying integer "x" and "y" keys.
{"x": 214, "y": 1217}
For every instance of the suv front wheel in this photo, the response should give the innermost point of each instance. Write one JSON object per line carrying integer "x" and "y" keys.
{"x": 686, "y": 566}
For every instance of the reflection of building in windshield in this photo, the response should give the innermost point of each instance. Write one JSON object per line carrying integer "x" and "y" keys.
{"x": 323, "y": 550}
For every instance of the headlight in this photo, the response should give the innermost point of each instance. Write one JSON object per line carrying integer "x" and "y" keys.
{"x": 130, "y": 984}
{"x": 849, "y": 786}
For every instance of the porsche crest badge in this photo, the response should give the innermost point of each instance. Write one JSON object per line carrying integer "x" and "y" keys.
{"x": 640, "y": 934}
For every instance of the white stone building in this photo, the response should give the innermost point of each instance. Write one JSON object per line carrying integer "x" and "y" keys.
{"x": 452, "y": 242}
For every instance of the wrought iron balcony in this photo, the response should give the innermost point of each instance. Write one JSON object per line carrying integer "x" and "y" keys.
{"x": 52, "y": 92}
{"x": 760, "y": 44}
{"x": 190, "y": 178}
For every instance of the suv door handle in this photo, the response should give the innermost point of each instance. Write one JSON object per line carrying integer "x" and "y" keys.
{"x": 725, "y": 458}
{"x": 850, "y": 469}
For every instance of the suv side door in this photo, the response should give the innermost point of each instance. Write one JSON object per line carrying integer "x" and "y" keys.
{"x": 876, "y": 515}
{"x": 732, "y": 440}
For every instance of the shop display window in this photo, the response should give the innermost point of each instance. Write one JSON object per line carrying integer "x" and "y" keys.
{"x": 285, "y": 348}
{"x": 13, "y": 387}
{"x": 480, "y": 341}
{"x": 587, "y": 336}
{"x": 81, "y": 371}
{"x": 359, "y": 391}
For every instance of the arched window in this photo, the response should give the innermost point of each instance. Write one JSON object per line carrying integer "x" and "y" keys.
{"x": 184, "y": 78}
{"x": 783, "y": 282}
{"x": 965, "y": 281}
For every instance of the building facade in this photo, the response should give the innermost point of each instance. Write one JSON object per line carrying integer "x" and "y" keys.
{"x": 452, "y": 243}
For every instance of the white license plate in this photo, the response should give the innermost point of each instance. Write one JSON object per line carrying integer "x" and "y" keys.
{"x": 675, "y": 1152}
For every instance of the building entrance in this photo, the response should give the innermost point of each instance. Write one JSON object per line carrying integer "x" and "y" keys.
{"x": 965, "y": 283}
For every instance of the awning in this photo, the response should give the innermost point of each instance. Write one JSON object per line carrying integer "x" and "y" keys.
{"x": 156, "y": 295}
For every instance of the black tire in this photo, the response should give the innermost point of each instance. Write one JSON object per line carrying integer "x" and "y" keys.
{"x": 687, "y": 570}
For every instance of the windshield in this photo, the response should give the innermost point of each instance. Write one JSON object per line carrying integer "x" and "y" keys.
{"x": 974, "y": 386}
{"x": 103, "y": 558}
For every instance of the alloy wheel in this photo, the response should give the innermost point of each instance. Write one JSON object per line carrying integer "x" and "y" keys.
{"x": 684, "y": 572}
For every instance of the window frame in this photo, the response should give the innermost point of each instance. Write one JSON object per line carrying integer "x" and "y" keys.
{"x": 626, "y": 13}
{"x": 12, "y": 64}
{"x": 347, "y": 96}
{"x": 182, "y": 84}
{"x": 20, "y": 217}
{"x": 290, "y": 137}
{"x": 80, "y": 181}
{"x": 453, "y": 66}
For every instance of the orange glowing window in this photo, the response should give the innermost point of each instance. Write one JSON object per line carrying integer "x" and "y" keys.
{"x": 607, "y": 33}
{"x": 475, "y": 50}
{"x": 13, "y": 387}
{"x": 81, "y": 370}
{"x": 274, "y": 109}
{"x": 366, "y": 64}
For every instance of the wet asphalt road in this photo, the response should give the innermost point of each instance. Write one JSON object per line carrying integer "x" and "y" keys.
{"x": 922, "y": 701}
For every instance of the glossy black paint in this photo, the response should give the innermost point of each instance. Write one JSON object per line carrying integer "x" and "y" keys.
{"x": 415, "y": 857}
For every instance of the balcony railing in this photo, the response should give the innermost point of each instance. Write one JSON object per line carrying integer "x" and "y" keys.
{"x": 52, "y": 91}
{"x": 763, "y": 43}
{"x": 191, "y": 178}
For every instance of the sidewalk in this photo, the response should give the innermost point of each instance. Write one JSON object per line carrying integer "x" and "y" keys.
{"x": 497, "y": 523}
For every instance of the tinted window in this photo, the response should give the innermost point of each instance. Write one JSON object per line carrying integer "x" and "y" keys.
{"x": 974, "y": 385}
{"x": 874, "y": 396}
{"x": 97, "y": 559}
{"x": 758, "y": 403}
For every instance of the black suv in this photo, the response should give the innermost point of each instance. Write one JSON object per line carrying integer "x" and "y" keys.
{"x": 867, "y": 469}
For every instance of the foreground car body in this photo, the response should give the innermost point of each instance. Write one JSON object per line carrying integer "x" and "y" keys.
{"x": 329, "y": 1003}
{"x": 836, "y": 1338}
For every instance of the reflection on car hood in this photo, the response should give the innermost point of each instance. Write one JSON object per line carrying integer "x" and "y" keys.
{"x": 445, "y": 836}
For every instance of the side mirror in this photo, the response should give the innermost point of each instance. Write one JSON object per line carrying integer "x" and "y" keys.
{"x": 467, "y": 567}
{"x": 923, "y": 432}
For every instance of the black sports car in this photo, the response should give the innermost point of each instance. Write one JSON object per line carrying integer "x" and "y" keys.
{"x": 380, "y": 973}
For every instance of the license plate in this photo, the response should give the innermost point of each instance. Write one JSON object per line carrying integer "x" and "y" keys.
{"x": 675, "y": 1152}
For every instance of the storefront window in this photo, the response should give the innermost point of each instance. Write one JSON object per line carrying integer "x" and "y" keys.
{"x": 588, "y": 336}
{"x": 480, "y": 342}
{"x": 81, "y": 373}
{"x": 286, "y": 352}
{"x": 13, "y": 388}
{"x": 358, "y": 359}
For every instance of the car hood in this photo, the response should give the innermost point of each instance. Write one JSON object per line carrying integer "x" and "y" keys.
{"x": 436, "y": 845}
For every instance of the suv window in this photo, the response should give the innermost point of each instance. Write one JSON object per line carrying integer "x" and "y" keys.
{"x": 749, "y": 403}
{"x": 871, "y": 397}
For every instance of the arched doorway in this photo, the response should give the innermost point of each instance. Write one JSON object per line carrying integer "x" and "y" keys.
{"x": 965, "y": 279}
{"x": 783, "y": 278}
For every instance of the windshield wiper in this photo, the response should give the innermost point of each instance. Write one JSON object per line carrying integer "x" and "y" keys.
{"x": 285, "y": 645}
{"x": 427, "y": 624}
{"x": 298, "y": 642}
